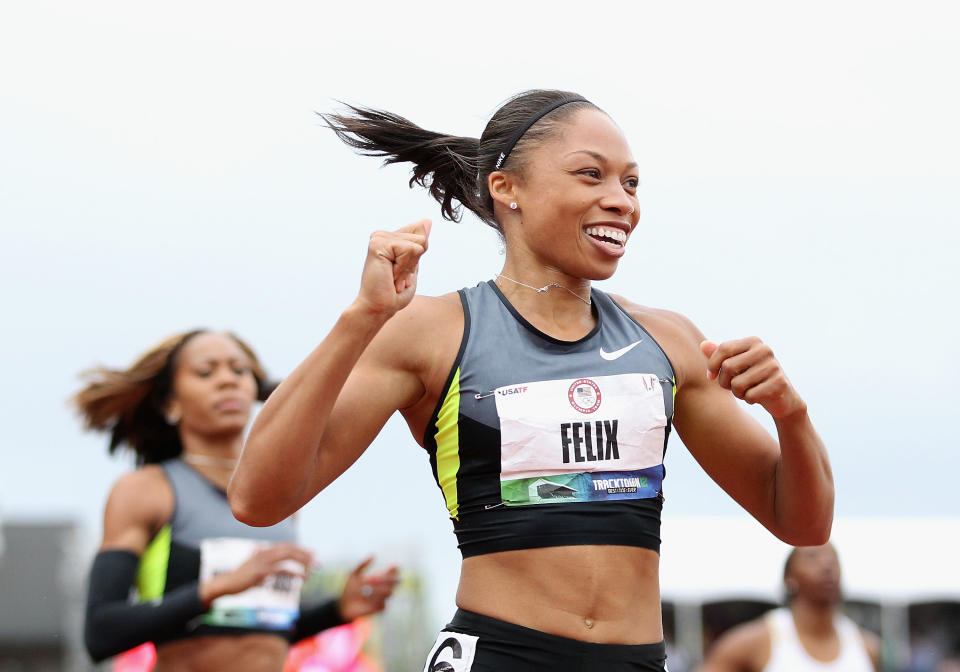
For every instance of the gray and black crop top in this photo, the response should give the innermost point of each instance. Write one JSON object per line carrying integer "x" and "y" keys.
{"x": 202, "y": 520}
{"x": 539, "y": 442}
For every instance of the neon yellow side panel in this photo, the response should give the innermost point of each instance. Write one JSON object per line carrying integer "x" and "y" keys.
{"x": 152, "y": 573}
{"x": 448, "y": 445}
{"x": 674, "y": 401}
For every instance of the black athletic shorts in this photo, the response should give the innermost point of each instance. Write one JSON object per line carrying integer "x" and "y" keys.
{"x": 475, "y": 643}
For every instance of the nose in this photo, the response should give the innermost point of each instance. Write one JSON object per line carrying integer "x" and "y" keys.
{"x": 227, "y": 377}
{"x": 620, "y": 201}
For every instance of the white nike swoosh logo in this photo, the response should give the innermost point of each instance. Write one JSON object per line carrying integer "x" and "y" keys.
{"x": 617, "y": 354}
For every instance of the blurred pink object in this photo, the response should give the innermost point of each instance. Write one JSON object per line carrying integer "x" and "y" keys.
{"x": 335, "y": 650}
{"x": 140, "y": 659}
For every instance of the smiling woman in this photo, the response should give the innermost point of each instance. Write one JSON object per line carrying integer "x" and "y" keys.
{"x": 212, "y": 592}
{"x": 544, "y": 405}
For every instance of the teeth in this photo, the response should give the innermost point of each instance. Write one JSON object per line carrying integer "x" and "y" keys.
{"x": 603, "y": 232}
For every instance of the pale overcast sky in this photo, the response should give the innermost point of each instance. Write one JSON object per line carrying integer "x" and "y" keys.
{"x": 162, "y": 167}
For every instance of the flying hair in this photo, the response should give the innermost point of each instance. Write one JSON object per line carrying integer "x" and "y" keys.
{"x": 129, "y": 403}
{"x": 443, "y": 164}
{"x": 454, "y": 169}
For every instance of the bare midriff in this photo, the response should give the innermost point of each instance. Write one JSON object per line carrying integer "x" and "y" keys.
{"x": 605, "y": 594}
{"x": 238, "y": 653}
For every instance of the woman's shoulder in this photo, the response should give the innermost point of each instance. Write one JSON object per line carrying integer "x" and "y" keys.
{"x": 424, "y": 319}
{"x": 141, "y": 483}
{"x": 673, "y": 325}
{"x": 445, "y": 305}
{"x": 676, "y": 333}
{"x": 420, "y": 339}
{"x": 139, "y": 504}
{"x": 667, "y": 319}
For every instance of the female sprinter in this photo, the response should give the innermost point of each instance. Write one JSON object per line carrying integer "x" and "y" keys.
{"x": 544, "y": 404}
{"x": 214, "y": 593}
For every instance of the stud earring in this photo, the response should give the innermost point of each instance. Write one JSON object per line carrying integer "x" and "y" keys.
{"x": 513, "y": 205}
{"x": 172, "y": 418}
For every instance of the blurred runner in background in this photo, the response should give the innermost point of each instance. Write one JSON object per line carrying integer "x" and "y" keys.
{"x": 810, "y": 633}
{"x": 214, "y": 594}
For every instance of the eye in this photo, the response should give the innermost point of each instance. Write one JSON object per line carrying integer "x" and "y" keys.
{"x": 204, "y": 373}
{"x": 631, "y": 183}
{"x": 593, "y": 173}
{"x": 241, "y": 370}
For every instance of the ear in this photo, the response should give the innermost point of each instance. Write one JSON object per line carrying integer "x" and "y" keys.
{"x": 502, "y": 187}
{"x": 172, "y": 412}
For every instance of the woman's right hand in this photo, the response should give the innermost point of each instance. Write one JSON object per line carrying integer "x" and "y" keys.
{"x": 389, "y": 278}
{"x": 264, "y": 562}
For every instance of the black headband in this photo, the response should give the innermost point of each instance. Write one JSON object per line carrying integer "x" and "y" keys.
{"x": 526, "y": 127}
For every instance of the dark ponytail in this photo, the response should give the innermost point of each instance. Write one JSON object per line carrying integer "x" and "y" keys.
{"x": 456, "y": 168}
{"x": 444, "y": 164}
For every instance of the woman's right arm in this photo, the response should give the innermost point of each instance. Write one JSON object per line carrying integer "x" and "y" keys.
{"x": 325, "y": 414}
{"x": 138, "y": 506}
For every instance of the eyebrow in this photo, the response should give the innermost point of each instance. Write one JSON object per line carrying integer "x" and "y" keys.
{"x": 600, "y": 157}
{"x": 228, "y": 360}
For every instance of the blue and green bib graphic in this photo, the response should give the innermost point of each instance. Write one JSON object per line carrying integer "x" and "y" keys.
{"x": 583, "y": 487}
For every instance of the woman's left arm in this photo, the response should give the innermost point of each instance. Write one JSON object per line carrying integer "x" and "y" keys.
{"x": 785, "y": 483}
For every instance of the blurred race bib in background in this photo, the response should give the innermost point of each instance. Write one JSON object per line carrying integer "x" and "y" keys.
{"x": 274, "y": 604}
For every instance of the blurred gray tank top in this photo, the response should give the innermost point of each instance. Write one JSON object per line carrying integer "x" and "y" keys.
{"x": 201, "y": 511}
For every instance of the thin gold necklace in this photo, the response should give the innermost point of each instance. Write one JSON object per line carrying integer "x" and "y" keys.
{"x": 201, "y": 460}
{"x": 541, "y": 290}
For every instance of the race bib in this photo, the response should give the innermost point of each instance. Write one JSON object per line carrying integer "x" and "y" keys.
{"x": 581, "y": 440}
{"x": 274, "y": 604}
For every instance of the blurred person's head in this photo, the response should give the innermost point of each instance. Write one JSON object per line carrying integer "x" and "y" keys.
{"x": 812, "y": 573}
{"x": 198, "y": 383}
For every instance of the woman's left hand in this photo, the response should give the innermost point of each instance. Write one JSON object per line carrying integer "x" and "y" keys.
{"x": 365, "y": 594}
{"x": 748, "y": 368}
